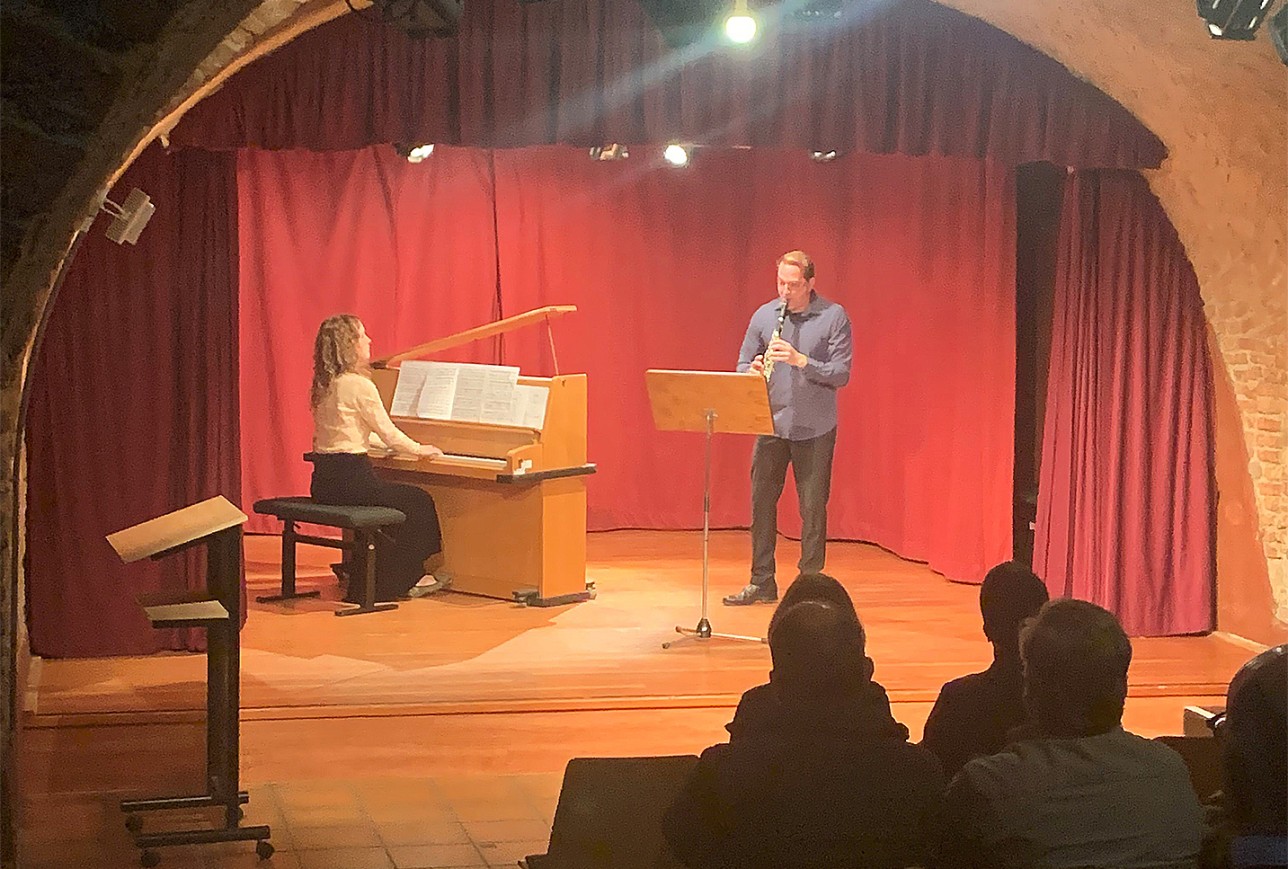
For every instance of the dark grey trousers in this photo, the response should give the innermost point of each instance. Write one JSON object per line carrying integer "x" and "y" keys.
{"x": 811, "y": 462}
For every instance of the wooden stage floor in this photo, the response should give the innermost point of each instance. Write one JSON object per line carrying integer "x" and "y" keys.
{"x": 456, "y": 654}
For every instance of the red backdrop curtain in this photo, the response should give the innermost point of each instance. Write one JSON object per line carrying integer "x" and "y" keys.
{"x": 409, "y": 248}
{"x": 666, "y": 268}
{"x": 133, "y": 409}
{"x": 910, "y": 77}
{"x": 419, "y": 251}
{"x": 1127, "y": 496}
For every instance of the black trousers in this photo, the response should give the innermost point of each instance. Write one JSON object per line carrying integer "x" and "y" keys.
{"x": 811, "y": 462}
{"x": 348, "y": 479}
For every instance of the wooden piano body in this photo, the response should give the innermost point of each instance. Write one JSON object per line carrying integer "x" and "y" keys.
{"x": 511, "y": 500}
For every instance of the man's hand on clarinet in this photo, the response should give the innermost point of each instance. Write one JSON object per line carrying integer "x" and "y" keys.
{"x": 758, "y": 364}
{"x": 780, "y": 351}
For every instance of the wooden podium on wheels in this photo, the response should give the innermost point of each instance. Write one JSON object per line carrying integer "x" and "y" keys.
{"x": 217, "y": 524}
{"x": 709, "y": 401}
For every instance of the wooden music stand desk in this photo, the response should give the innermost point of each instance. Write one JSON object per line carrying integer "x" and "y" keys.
{"x": 217, "y": 524}
{"x": 709, "y": 401}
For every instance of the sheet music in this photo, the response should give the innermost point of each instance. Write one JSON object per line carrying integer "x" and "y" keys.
{"x": 411, "y": 379}
{"x": 529, "y": 408}
{"x": 438, "y": 391}
{"x": 499, "y": 385}
{"x": 466, "y": 392}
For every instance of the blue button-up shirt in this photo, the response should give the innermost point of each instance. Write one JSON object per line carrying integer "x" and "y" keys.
{"x": 803, "y": 399}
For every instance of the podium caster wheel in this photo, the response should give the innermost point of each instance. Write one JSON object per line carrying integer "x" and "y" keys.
{"x": 264, "y": 849}
{"x": 133, "y": 823}
{"x": 149, "y": 859}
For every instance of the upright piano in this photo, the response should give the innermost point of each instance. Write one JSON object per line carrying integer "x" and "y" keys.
{"x": 511, "y": 499}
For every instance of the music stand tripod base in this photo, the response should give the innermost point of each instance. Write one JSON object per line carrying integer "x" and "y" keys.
{"x": 703, "y": 632}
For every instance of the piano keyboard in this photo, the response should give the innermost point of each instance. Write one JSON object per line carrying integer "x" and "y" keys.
{"x": 471, "y": 462}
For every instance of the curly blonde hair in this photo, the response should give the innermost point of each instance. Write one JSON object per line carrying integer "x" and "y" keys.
{"x": 335, "y": 352}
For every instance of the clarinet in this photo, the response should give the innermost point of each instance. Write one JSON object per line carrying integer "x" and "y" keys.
{"x": 778, "y": 331}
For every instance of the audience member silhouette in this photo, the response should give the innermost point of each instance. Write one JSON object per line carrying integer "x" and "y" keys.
{"x": 1084, "y": 792}
{"x": 823, "y": 782}
{"x": 973, "y": 714}
{"x": 759, "y": 706}
{"x": 1253, "y": 815}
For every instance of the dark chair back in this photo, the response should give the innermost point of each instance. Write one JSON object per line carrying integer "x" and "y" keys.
{"x": 610, "y": 813}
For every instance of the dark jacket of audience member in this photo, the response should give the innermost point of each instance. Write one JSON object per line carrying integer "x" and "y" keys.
{"x": 820, "y": 780}
{"x": 973, "y": 715}
{"x": 1085, "y": 792}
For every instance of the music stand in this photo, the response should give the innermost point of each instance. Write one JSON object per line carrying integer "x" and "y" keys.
{"x": 217, "y": 524}
{"x": 709, "y": 401}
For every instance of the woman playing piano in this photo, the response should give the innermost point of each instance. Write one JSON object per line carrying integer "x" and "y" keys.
{"x": 346, "y": 410}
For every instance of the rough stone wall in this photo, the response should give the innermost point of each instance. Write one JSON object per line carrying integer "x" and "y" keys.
{"x": 1221, "y": 107}
{"x": 81, "y": 84}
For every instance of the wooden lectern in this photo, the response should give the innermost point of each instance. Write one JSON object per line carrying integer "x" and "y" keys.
{"x": 709, "y": 401}
{"x": 217, "y": 524}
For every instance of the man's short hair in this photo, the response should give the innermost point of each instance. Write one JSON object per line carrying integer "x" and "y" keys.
{"x": 801, "y": 260}
{"x": 814, "y": 646}
{"x": 1009, "y": 594}
{"x": 1076, "y": 656}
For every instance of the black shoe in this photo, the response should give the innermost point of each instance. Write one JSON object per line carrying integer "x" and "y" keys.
{"x": 767, "y": 593}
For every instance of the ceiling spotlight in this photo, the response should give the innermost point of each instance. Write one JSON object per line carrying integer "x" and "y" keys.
{"x": 417, "y": 18}
{"x": 419, "y": 152}
{"x": 614, "y": 151}
{"x": 676, "y": 155}
{"x": 129, "y": 218}
{"x": 1232, "y": 19}
{"x": 740, "y": 27}
{"x": 822, "y": 156}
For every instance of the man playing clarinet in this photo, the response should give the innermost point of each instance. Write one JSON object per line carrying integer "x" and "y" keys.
{"x": 800, "y": 342}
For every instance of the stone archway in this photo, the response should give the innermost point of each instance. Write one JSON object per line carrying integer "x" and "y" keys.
{"x": 83, "y": 95}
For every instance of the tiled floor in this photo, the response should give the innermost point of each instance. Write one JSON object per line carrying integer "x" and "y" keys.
{"x": 388, "y": 823}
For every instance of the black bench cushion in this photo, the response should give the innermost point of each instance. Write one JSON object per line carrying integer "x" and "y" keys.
{"x": 301, "y": 509}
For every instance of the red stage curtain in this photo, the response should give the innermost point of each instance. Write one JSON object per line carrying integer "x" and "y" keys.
{"x": 133, "y": 409}
{"x": 1127, "y": 496}
{"x": 666, "y": 268}
{"x": 911, "y": 77}
{"x": 409, "y": 248}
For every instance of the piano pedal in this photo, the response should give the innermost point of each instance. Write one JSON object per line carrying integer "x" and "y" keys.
{"x": 531, "y": 597}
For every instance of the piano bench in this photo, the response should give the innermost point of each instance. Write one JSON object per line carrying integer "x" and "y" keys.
{"x": 363, "y": 522}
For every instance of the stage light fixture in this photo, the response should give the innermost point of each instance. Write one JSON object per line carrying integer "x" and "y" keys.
{"x": 676, "y": 155}
{"x": 823, "y": 156}
{"x": 614, "y": 151}
{"x": 129, "y": 218}
{"x": 417, "y": 18}
{"x": 414, "y": 153}
{"x": 817, "y": 11}
{"x": 1232, "y": 19}
{"x": 1279, "y": 32}
{"x": 740, "y": 26}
